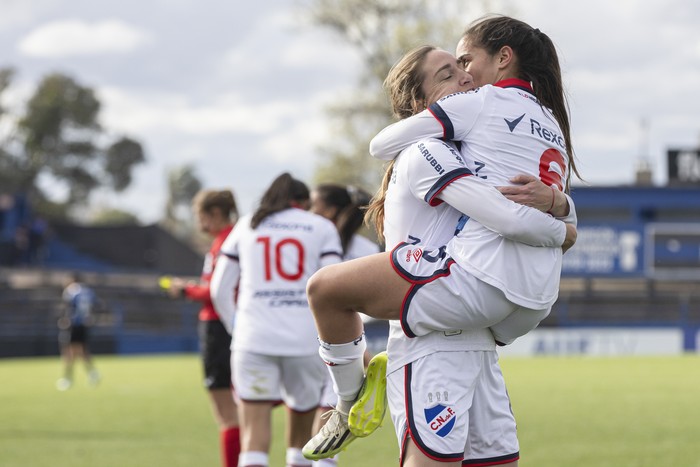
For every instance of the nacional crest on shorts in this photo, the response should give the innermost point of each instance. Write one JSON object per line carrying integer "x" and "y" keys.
{"x": 440, "y": 419}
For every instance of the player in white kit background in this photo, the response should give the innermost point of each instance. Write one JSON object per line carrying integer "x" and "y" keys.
{"x": 373, "y": 294}
{"x": 344, "y": 207}
{"x": 270, "y": 255}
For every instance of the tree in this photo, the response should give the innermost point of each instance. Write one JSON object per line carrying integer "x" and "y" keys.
{"x": 183, "y": 185}
{"x": 58, "y": 140}
{"x": 382, "y": 31}
{"x": 111, "y": 216}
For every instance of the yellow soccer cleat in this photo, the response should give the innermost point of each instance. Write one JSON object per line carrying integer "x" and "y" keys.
{"x": 367, "y": 414}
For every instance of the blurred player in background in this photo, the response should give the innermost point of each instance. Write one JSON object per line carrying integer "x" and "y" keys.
{"x": 216, "y": 211}
{"x": 345, "y": 207}
{"x": 79, "y": 304}
{"x": 271, "y": 254}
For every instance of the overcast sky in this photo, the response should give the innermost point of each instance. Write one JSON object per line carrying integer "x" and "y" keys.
{"x": 237, "y": 89}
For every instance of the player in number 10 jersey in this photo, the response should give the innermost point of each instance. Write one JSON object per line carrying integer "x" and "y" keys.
{"x": 270, "y": 255}
{"x": 276, "y": 260}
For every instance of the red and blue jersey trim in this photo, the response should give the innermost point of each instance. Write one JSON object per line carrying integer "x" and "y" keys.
{"x": 515, "y": 83}
{"x": 441, "y": 184}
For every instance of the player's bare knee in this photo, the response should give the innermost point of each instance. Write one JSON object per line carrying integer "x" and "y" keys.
{"x": 317, "y": 288}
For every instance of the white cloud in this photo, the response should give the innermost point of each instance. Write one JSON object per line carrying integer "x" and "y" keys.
{"x": 141, "y": 113}
{"x": 75, "y": 37}
{"x": 279, "y": 55}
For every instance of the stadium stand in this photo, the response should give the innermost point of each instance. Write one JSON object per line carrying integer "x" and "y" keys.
{"x": 636, "y": 264}
{"x": 121, "y": 263}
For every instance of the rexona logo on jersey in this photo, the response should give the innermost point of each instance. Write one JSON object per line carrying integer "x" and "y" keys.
{"x": 430, "y": 158}
{"x": 441, "y": 419}
{"x": 546, "y": 134}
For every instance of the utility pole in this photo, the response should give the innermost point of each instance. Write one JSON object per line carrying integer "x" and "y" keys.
{"x": 643, "y": 173}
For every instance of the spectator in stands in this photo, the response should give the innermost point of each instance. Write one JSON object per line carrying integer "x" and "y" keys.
{"x": 80, "y": 302}
{"x": 216, "y": 211}
{"x": 36, "y": 240}
{"x": 21, "y": 246}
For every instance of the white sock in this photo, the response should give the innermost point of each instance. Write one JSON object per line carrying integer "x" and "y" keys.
{"x": 253, "y": 459}
{"x": 296, "y": 459}
{"x": 347, "y": 368}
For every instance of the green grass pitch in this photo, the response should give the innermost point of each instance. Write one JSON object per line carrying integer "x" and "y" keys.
{"x": 152, "y": 411}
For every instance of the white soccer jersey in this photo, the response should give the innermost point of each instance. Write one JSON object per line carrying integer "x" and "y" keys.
{"x": 409, "y": 215}
{"x": 413, "y": 211}
{"x": 433, "y": 171}
{"x": 503, "y": 132}
{"x": 360, "y": 246}
{"x": 275, "y": 261}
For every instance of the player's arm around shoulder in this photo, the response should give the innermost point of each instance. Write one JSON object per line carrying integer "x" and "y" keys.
{"x": 485, "y": 205}
{"x": 458, "y": 113}
{"x": 389, "y": 142}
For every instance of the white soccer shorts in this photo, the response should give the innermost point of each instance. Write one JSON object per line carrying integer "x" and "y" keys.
{"x": 445, "y": 297}
{"x": 297, "y": 381}
{"x": 454, "y": 407}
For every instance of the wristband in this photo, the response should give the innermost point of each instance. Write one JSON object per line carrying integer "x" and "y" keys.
{"x": 554, "y": 197}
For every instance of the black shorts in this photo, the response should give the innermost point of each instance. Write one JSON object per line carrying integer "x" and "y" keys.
{"x": 215, "y": 347}
{"x": 77, "y": 334}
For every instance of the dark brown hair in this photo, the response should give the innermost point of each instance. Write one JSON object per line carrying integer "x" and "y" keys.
{"x": 350, "y": 203}
{"x": 403, "y": 86}
{"x": 537, "y": 61}
{"x": 283, "y": 193}
{"x": 209, "y": 200}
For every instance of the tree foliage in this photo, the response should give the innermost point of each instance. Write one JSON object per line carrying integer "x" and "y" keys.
{"x": 183, "y": 185}
{"x": 111, "y": 217}
{"x": 57, "y": 141}
{"x": 381, "y": 31}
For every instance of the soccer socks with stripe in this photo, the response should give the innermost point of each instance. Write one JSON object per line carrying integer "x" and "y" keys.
{"x": 253, "y": 459}
{"x": 296, "y": 459}
{"x": 347, "y": 369}
{"x": 230, "y": 446}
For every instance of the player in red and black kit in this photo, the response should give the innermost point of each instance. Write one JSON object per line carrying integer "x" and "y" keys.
{"x": 215, "y": 210}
